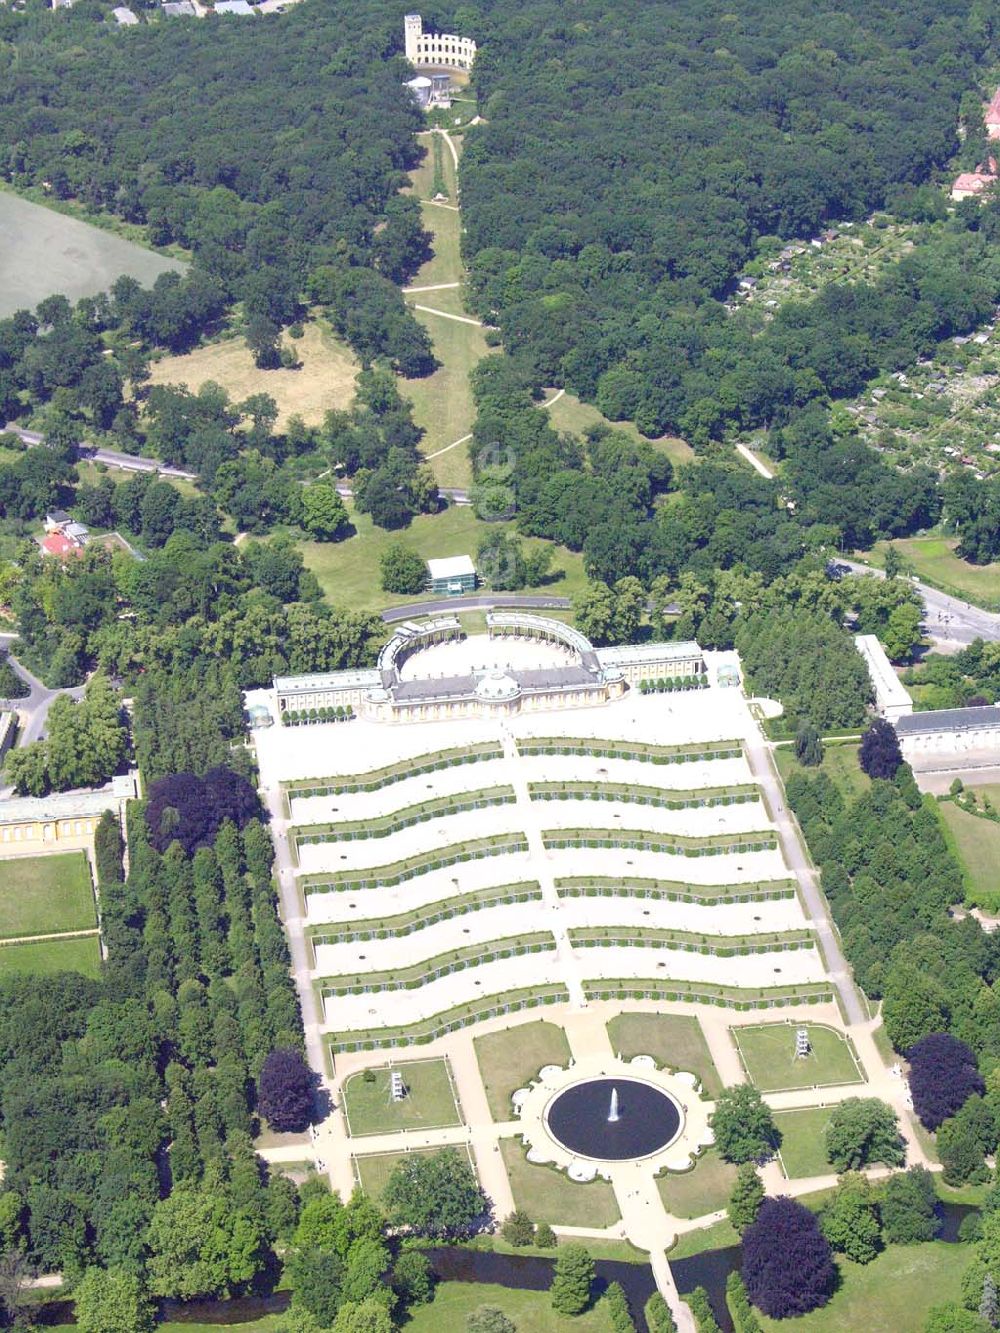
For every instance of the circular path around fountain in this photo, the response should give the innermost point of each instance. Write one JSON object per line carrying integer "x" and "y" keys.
{"x": 564, "y": 1117}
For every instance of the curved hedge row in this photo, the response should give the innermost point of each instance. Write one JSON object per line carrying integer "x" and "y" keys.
{"x": 683, "y": 941}
{"x": 653, "y": 796}
{"x": 600, "y": 886}
{"x": 695, "y": 992}
{"x": 397, "y": 872}
{"x": 449, "y": 1020}
{"x": 360, "y": 830}
{"x": 443, "y": 965}
{"x": 396, "y": 927}
{"x": 637, "y": 750}
{"x": 377, "y": 778}
{"x": 639, "y": 840}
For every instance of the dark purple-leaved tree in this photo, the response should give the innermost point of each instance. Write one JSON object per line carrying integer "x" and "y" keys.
{"x": 185, "y": 808}
{"x": 787, "y": 1265}
{"x": 880, "y": 754}
{"x": 285, "y": 1091}
{"x": 943, "y": 1076}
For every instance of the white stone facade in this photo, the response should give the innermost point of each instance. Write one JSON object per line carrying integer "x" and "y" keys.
{"x": 432, "y": 50}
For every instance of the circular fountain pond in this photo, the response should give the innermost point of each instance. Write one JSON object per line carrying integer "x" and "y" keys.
{"x": 613, "y": 1119}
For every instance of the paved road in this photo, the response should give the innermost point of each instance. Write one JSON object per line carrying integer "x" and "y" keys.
{"x": 34, "y": 708}
{"x": 487, "y": 602}
{"x": 110, "y": 457}
{"x": 947, "y": 618}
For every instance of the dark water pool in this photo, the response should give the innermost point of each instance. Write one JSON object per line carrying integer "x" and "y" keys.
{"x": 647, "y": 1119}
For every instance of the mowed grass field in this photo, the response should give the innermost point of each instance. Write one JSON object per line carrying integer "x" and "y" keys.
{"x": 768, "y": 1055}
{"x": 934, "y": 558}
{"x": 348, "y": 571}
{"x": 803, "y": 1141}
{"x": 374, "y": 1171}
{"x": 510, "y": 1060}
{"x": 548, "y": 1195}
{"x": 530, "y": 1311}
{"x": 702, "y": 1190}
{"x": 40, "y": 895}
{"x": 43, "y": 252}
{"x": 323, "y": 383}
{"x": 892, "y": 1294}
{"x": 72, "y": 953}
{"x": 675, "y": 1041}
{"x": 840, "y": 763}
{"x": 977, "y": 844}
{"x": 429, "y": 1103}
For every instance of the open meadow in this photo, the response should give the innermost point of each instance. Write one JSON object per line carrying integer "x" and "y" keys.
{"x": 46, "y": 253}
{"x": 975, "y": 842}
{"x": 64, "y": 953}
{"x": 933, "y": 558}
{"x": 41, "y": 895}
{"x": 324, "y": 381}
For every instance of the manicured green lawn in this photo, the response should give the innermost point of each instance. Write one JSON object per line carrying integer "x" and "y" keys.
{"x": 934, "y": 558}
{"x": 348, "y": 571}
{"x": 530, "y": 1311}
{"x": 548, "y": 1195}
{"x": 266, "y": 1325}
{"x": 429, "y": 1104}
{"x": 510, "y": 1060}
{"x": 374, "y": 1171}
{"x": 768, "y": 1054}
{"x": 719, "y": 1236}
{"x": 803, "y": 1141}
{"x": 78, "y": 954}
{"x": 40, "y": 895}
{"x": 703, "y": 1190}
{"x": 675, "y": 1041}
{"x": 976, "y": 842}
{"x": 840, "y": 763}
{"x": 892, "y": 1294}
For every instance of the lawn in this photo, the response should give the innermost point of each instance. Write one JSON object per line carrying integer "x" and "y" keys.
{"x": 570, "y": 414}
{"x": 934, "y": 559}
{"x": 76, "y": 954}
{"x": 976, "y": 843}
{"x": 429, "y": 1104}
{"x": 348, "y": 571}
{"x": 530, "y": 1311}
{"x": 892, "y": 1293}
{"x": 803, "y": 1144}
{"x": 705, "y": 1189}
{"x": 768, "y": 1055}
{"x": 374, "y": 1171}
{"x": 548, "y": 1195}
{"x": 267, "y": 1324}
{"x": 42, "y": 895}
{"x": 840, "y": 764}
{"x": 510, "y": 1060}
{"x": 719, "y": 1236}
{"x": 675, "y": 1041}
{"x": 43, "y": 252}
{"x": 324, "y": 381}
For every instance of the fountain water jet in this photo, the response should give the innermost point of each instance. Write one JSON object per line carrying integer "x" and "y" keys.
{"x": 613, "y": 1116}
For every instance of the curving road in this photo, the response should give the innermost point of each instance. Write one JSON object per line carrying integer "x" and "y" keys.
{"x": 109, "y": 457}
{"x": 34, "y": 708}
{"x": 947, "y": 619}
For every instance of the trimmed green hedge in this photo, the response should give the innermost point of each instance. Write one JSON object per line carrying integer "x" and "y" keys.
{"x": 638, "y": 750}
{"x": 723, "y": 946}
{"x": 443, "y": 965}
{"x": 395, "y": 927}
{"x": 664, "y": 799}
{"x": 308, "y": 716}
{"x": 397, "y": 872}
{"x": 377, "y": 778}
{"x": 665, "y": 684}
{"x": 602, "y": 886}
{"x": 732, "y": 997}
{"x": 717, "y": 844}
{"x": 450, "y": 1020}
{"x": 360, "y": 830}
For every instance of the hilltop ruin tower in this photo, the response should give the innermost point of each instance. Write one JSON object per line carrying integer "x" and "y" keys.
{"x": 436, "y": 50}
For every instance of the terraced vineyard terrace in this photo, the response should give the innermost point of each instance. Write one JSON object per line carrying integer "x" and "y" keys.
{"x": 638, "y": 750}
{"x": 392, "y": 927}
{"x": 671, "y": 799}
{"x": 596, "y": 886}
{"x": 383, "y": 827}
{"x": 724, "y": 946}
{"x": 412, "y": 866}
{"x": 642, "y": 840}
{"x": 378, "y": 778}
{"x": 439, "y": 966}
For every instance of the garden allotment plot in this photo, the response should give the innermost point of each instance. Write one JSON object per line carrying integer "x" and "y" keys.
{"x": 44, "y": 253}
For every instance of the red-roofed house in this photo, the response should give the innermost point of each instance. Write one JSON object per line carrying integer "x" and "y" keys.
{"x": 56, "y": 544}
{"x": 991, "y": 117}
{"x": 971, "y": 183}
